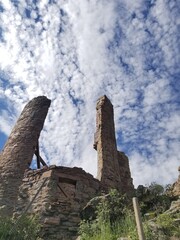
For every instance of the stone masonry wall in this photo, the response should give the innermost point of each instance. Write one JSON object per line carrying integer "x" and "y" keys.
{"x": 105, "y": 144}
{"x": 125, "y": 174}
{"x": 176, "y": 186}
{"x": 60, "y": 201}
{"x": 18, "y": 151}
{"x": 113, "y": 166}
{"x": 58, "y": 194}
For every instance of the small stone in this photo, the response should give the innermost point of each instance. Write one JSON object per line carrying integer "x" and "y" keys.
{"x": 25, "y": 180}
{"x": 52, "y": 220}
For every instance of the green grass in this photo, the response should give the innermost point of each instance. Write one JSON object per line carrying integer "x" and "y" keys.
{"x": 115, "y": 219}
{"x": 104, "y": 230}
{"x": 168, "y": 224}
{"x": 25, "y": 228}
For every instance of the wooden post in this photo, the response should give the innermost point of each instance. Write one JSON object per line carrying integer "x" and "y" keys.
{"x": 41, "y": 160}
{"x": 38, "y": 159}
{"x": 138, "y": 219}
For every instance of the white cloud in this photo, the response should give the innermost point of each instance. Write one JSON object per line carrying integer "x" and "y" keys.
{"x": 5, "y": 125}
{"x": 73, "y": 52}
{"x": 6, "y": 121}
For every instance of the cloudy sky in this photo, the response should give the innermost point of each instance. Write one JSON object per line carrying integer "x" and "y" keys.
{"x": 75, "y": 51}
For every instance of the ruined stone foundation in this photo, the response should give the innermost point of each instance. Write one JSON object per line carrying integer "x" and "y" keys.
{"x": 58, "y": 194}
{"x": 59, "y": 203}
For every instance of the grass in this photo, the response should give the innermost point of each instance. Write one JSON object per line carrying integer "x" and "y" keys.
{"x": 115, "y": 219}
{"x": 25, "y": 228}
{"x": 104, "y": 230}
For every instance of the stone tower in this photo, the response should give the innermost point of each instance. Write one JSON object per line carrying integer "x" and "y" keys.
{"x": 113, "y": 166}
{"x": 18, "y": 151}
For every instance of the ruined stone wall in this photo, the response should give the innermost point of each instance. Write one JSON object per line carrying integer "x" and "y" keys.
{"x": 58, "y": 194}
{"x": 113, "y": 166}
{"x": 176, "y": 186}
{"x": 18, "y": 151}
{"x": 60, "y": 201}
{"x": 125, "y": 174}
{"x": 105, "y": 144}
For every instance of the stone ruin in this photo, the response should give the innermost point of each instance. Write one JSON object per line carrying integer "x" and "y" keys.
{"x": 19, "y": 150}
{"x": 176, "y": 186}
{"x": 58, "y": 194}
{"x": 113, "y": 166}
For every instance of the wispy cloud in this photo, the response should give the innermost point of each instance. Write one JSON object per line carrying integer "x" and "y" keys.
{"x": 73, "y": 52}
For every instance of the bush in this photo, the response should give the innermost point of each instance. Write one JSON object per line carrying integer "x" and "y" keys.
{"x": 25, "y": 228}
{"x": 113, "y": 207}
{"x": 153, "y": 198}
{"x": 169, "y": 226}
{"x": 113, "y": 220}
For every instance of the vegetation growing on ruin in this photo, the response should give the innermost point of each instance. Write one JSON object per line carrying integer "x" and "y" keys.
{"x": 115, "y": 217}
{"x": 25, "y": 228}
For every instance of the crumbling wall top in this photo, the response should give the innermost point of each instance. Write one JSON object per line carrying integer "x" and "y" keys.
{"x": 102, "y": 101}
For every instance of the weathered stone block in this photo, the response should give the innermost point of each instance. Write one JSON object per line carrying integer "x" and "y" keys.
{"x": 52, "y": 220}
{"x": 47, "y": 174}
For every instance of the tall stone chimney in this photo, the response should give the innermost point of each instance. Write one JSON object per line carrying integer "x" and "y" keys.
{"x": 105, "y": 144}
{"x": 113, "y": 166}
{"x": 18, "y": 151}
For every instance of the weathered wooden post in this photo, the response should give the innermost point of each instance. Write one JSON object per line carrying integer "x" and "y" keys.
{"x": 138, "y": 219}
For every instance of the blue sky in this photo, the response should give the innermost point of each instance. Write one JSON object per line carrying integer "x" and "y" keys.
{"x": 75, "y": 51}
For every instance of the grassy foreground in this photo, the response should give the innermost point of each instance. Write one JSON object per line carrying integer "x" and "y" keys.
{"x": 115, "y": 219}
{"x": 26, "y": 228}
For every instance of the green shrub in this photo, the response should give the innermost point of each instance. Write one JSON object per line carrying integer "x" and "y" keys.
{"x": 98, "y": 230}
{"x": 149, "y": 234}
{"x": 25, "y": 228}
{"x": 153, "y": 198}
{"x": 115, "y": 218}
{"x": 113, "y": 207}
{"x": 168, "y": 225}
